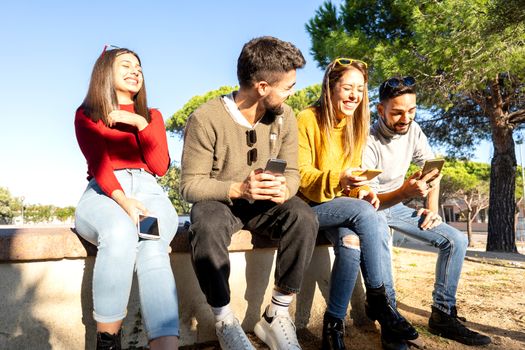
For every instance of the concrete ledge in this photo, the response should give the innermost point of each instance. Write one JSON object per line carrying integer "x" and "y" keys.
{"x": 47, "y": 296}
{"x": 27, "y": 244}
{"x": 44, "y": 243}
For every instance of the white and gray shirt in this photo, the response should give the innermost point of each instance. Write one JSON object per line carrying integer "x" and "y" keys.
{"x": 393, "y": 154}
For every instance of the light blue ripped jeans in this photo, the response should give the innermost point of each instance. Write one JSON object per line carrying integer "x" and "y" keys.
{"x": 101, "y": 221}
{"x": 339, "y": 218}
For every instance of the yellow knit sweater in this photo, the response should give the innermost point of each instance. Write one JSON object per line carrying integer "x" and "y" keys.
{"x": 320, "y": 168}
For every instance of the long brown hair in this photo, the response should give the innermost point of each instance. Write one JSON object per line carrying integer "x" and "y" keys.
{"x": 357, "y": 127}
{"x": 101, "y": 98}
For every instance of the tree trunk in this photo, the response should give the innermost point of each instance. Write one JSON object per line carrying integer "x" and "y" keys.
{"x": 469, "y": 227}
{"x": 501, "y": 234}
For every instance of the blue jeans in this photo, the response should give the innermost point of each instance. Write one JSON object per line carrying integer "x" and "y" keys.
{"x": 341, "y": 217}
{"x": 452, "y": 245}
{"x": 101, "y": 221}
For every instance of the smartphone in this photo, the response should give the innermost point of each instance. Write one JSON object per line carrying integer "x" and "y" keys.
{"x": 432, "y": 164}
{"x": 368, "y": 173}
{"x": 148, "y": 227}
{"x": 275, "y": 166}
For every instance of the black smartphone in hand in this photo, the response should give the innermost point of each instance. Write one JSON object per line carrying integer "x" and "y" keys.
{"x": 275, "y": 166}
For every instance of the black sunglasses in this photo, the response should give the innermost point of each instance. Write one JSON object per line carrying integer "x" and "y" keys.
{"x": 251, "y": 139}
{"x": 395, "y": 82}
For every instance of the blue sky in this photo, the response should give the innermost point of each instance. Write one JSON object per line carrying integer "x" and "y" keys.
{"x": 48, "y": 49}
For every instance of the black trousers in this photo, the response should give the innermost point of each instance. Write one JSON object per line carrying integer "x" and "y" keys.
{"x": 292, "y": 223}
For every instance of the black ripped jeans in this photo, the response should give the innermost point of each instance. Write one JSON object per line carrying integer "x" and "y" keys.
{"x": 292, "y": 223}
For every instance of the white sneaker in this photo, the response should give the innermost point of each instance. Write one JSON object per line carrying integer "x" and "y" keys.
{"x": 277, "y": 332}
{"x": 231, "y": 336}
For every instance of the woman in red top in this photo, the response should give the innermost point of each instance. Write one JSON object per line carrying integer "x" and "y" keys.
{"x": 125, "y": 147}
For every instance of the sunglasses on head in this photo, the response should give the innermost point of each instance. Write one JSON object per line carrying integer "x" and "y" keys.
{"x": 406, "y": 81}
{"x": 108, "y": 47}
{"x": 251, "y": 139}
{"x": 343, "y": 61}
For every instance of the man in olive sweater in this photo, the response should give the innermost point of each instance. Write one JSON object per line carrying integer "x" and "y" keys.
{"x": 226, "y": 141}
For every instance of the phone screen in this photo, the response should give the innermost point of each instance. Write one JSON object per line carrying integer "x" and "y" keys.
{"x": 148, "y": 227}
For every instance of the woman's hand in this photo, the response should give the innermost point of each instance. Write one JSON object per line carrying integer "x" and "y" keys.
{"x": 369, "y": 196}
{"x": 125, "y": 117}
{"x": 130, "y": 205}
{"x": 348, "y": 178}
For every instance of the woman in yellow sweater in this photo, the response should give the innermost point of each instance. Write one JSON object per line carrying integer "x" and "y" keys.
{"x": 332, "y": 134}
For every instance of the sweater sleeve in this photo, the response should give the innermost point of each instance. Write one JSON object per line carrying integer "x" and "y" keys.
{"x": 196, "y": 164}
{"x": 154, "y": 144}
{"x": 316, "y": 185}
{"x": 93, "y": 146}
{"x": 288, "y": 152}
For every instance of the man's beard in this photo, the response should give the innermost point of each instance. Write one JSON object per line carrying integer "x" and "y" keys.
{"x": 275, "y": 110}
{"x": 396, "y": 131}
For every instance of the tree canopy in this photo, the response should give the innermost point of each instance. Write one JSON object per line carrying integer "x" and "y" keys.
{"x": 9, "y": 206}
{"x": 12, "y": 207}
{"x": 298, "y": 101}
{"x": 177, "y": 121}
{"x": 170, "y": 182}
{"x": 466, "y": 184}
{"x": 455, "y": 49}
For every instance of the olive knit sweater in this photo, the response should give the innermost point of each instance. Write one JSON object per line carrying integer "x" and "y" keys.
{"x": 215, "y": 151}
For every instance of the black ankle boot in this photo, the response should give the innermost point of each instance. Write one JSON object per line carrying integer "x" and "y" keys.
{"x": 449, "y": 326}
{"x": 391, "y": 342}
{"x": 333, "y": 333}
{"x": 378, "y": 308}
{"x": 106, "y": 341}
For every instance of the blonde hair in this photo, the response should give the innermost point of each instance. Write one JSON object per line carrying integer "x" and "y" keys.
{"x": 357, "y": 126}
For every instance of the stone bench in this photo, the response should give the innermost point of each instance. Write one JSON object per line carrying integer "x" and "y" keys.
{"x": 46, "y": 302}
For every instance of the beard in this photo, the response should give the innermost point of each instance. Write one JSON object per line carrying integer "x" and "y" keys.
{"x": 272, "y": 108}
{"x": 394, "y": 128}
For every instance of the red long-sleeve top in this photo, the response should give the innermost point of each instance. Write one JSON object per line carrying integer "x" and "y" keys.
{"x": 121, "y": 147}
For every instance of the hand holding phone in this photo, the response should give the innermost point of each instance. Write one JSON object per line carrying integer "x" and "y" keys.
{"x": 272, "y": 179}
{"x": 148, "y": 227}
{"x": 275, "y": 166}
{"x": 430, "y": 165}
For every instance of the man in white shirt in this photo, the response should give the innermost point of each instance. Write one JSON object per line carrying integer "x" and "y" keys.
{"x": 395, "y": 141}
